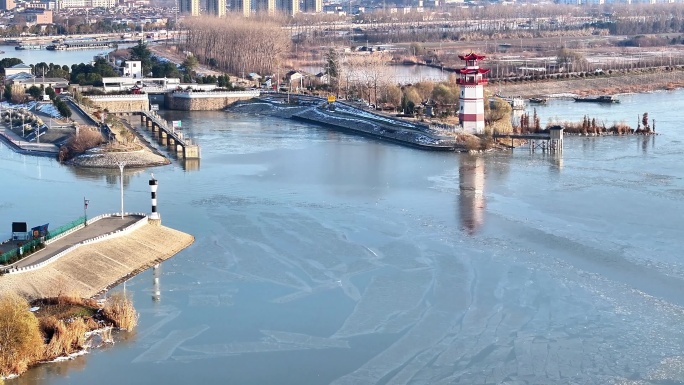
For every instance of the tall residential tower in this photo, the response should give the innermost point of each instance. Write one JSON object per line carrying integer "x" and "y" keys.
{"x": 313, "y": 6}
{"x": 241, "y": 6}
{"x": 216, "y": 7}
{"x": 189, "y": 6}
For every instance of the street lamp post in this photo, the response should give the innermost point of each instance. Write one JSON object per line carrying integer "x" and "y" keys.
{"x": 121, "y": 167}
{"x": 85, "y": 211}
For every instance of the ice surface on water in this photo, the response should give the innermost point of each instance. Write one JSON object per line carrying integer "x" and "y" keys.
{"x": 465, "y": 316}
{"x": 163, "y": 349}
{"x": 448, "y": 299}
{"x": 388, "y": 297}
{"x": 168, "y": 314}
{"x": 272, "y": 342}
{"x": 305, "y": 340}
{"x": 211, "y": 300}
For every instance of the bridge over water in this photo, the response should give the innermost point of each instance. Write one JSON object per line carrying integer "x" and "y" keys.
{"x": 166, "y": 135}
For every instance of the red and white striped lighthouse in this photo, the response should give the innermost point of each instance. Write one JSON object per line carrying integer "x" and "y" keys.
{"x": 471, "y": 78}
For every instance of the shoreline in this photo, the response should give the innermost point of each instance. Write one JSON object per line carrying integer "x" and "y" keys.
{"x": 350, "y": 119}
{"x": 622, "y": 83}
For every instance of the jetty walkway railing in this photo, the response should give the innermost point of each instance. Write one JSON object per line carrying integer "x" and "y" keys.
{"x": 164, "y": 125}
{"x": 35, "y": 244}
{"x": 99, "y": 238}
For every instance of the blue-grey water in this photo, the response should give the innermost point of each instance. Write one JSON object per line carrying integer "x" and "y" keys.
{"x": 57, "y": 57}
{"x": 325, "y": 258}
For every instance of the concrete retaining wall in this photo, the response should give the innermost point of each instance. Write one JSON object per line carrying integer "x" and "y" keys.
{"x": 121, "y": 103}
{"x": 206, "y": 101}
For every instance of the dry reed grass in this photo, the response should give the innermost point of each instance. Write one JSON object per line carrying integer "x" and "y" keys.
{"x": 119, "y": 309}
{"x": 20, "y": 340}
{"x": 63, "y": 337}
{"x": 87, "y": 138}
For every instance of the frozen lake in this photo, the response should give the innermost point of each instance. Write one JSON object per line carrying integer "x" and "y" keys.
{"x": 324, "y": 258}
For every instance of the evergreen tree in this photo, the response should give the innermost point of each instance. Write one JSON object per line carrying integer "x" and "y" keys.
{"x": 332, "y": 69}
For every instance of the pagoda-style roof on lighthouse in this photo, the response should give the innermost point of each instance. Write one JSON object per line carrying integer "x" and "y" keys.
{"x": 472, "y": 56}
{"x": 473, "y": 71}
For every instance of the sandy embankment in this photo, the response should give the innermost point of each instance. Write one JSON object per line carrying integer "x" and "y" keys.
{"x": 92, "y": 268}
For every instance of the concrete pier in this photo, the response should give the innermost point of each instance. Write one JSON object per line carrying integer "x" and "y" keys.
{"x": 91, "y": 268}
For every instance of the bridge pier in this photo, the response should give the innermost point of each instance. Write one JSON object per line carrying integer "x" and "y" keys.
{"x": 165, "y": 135}
{"x": 191, "y": 151}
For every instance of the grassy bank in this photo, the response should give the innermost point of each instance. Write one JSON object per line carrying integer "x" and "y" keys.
{"x": 55, "y": 328}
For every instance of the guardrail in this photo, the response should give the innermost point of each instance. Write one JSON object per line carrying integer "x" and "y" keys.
{"x": 165, "y": 126}
{"x": 118, "y": 97}
{"x": 113, "y": 234}
{"x": 213, "y": 94}
{"x": 49, "y": 238}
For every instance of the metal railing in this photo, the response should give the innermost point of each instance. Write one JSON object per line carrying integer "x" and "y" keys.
{"x": 26, "y": 249}
{"x": 65, "y": 228}
{"x": 33, "y": 245}
{"x": 117, "y": 233}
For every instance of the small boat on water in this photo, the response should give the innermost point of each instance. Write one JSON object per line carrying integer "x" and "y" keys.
{"x": 538, "y": 100}
{"x": 598, "y": 99}
{"x": 56, "y": 47}
{"x": 21, "y": 47}
{"x": 515, "y": 102}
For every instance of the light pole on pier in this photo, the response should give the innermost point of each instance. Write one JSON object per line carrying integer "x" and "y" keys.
{"x": 121, "y": 167}
{"x": 85, "y": 211}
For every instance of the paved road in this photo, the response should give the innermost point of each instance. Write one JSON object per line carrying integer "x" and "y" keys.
{"x": 28, "y": 146}
{"x": 103, "y": 226}
{"x": 77, "y": 116}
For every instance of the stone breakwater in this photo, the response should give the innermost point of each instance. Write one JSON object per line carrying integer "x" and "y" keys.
{"x": 91, "y": 268}
{"x": 353, "y": 120}
{"x": 101, "y": 158}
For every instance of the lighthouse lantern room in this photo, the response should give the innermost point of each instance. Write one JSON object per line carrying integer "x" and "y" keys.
{"x": 471, "y": 79}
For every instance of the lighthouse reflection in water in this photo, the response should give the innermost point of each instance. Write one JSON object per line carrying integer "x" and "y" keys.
{"x": 471, "y": 200}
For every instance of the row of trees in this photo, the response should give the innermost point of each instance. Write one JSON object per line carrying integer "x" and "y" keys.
{"x": 240, "y": 46}
{"x": 368, "y": 77}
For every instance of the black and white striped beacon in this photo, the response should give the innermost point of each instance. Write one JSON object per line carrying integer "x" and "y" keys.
{"x": 154, "y": 216}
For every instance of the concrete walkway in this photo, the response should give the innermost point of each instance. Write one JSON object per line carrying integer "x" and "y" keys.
{"x": 95, "y": 229}
{"x": 27, "y": 147}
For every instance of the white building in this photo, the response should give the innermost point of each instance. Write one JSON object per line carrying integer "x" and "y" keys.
{"x": 132, "y": 69}
{"x": 148, "y": 84}
{"x": 17, "y": 69}
{"x": 87, "y": 4}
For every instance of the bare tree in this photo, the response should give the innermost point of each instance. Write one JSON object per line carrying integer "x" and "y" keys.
{"x": 237, "y": 45}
